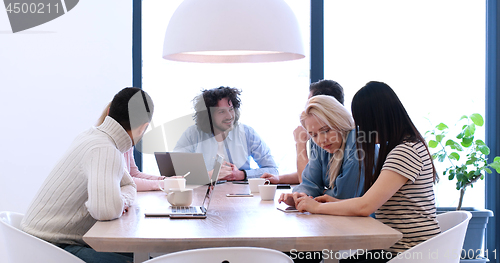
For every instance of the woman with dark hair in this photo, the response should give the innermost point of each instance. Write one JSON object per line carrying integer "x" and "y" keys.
{"x": 143, "y": 181}
{"x": 399, "y": 183}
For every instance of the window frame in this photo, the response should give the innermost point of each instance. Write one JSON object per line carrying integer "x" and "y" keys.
{"x": 317, "y": 73}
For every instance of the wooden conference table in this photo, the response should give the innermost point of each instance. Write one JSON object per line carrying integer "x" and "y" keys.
{"x": 235, "y": 221}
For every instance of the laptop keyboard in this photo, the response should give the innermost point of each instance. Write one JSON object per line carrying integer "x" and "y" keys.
{"x": 183, "y": 209}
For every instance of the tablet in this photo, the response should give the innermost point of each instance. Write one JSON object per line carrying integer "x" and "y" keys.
{"x": 284, "y": 186}
{"x": 287, "y": 209}
{"x": 240, "y": 182}
{"x": 239, "y": 195}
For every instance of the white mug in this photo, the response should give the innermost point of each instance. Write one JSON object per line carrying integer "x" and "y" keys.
{"x": 178, "y": 182}
{"x": 180, "y": 197}
{"x": 254, "y": 184}
{"x": 267, "y": 191}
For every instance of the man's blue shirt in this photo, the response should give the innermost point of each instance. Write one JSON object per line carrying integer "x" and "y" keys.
{"x": 241, "y": 144}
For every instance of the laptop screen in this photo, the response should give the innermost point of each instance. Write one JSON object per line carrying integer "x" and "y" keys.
{"x": 213, "y": 181}
{"x": 179, "y": 163}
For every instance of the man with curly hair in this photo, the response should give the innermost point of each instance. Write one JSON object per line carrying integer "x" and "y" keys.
{"x": 217, "y": 131}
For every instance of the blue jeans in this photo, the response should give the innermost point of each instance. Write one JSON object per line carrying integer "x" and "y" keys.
{"x": 89, "y": 255}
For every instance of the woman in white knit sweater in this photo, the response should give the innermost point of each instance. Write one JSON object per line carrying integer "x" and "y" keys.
{"x": 90, "y": 182}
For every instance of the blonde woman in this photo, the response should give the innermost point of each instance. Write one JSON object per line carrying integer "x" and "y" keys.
{"x": 144, "y": 182}
{"x": 398, "y": 183}
{"x": 335, "y": 171}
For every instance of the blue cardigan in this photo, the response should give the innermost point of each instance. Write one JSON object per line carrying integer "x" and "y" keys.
{"x": 315, "y": 179}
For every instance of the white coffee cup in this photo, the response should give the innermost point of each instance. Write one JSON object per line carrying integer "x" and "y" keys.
{"x": 180, "y": 197}
{"x": 254, "y": 184}
{"x": 267, "y": 191}
{"x": 178, "y": 182}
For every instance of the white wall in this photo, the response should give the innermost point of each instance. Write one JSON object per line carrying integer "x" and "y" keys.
{"x": 55, "y": 79}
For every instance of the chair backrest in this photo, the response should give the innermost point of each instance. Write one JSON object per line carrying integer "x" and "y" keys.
{"x": 226, "y": 255}
{"x": 443, "y": 248}
{"x": 22, "y": 247}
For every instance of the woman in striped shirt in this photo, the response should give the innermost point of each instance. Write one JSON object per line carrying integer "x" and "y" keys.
{"x": 399, "y": 183}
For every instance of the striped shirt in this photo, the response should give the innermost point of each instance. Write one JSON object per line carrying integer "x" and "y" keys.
{"x": 411, "y": 210}
{"x": 89, "y": 183}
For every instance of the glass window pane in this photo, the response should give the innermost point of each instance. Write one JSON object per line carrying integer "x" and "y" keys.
{"x": 431, "y": 52}
{"x": 273, "y": 94}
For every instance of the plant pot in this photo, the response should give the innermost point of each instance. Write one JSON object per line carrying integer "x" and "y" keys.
{"x": 474, "y": 237}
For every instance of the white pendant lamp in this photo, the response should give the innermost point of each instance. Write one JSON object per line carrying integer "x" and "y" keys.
{"x": 233, "y": 31}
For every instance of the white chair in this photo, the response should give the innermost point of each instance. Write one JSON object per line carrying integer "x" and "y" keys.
{"x": 443, "y": 248}
{"x": 224, "y": 255}
{"x": 22, "y": 247}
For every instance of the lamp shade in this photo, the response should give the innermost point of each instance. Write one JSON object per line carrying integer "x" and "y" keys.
{"x": 233, "y": 31}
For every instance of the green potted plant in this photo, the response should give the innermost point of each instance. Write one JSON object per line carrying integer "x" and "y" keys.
{"x": 468, "y": 161}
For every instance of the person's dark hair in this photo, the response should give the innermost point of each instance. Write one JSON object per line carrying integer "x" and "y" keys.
{"x": 327, "y": 87}
{"x": 378, "y": 113}
{"x": 131, "y": 108}
{"x": 204, "y": 103}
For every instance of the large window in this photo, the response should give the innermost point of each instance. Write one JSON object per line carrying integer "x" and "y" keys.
{"x": 273, "y": 94}
{"x": 431, "y": 52}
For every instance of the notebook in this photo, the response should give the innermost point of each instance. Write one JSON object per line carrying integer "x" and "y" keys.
{"x": 179, "y": 163}
{"x": 193, "y": 211}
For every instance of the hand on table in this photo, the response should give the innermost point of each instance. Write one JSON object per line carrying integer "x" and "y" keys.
{"x": 307, "y": 204}
{"x": 274, "y": 179}
{"x": 326, "y": 199}
{"x": 291, "y": 198}
{"x": 225, "y": 171}
{"x": 230, "y": 172}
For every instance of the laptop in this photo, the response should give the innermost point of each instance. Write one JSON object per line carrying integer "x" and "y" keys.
{"x": 192, "y": 211}
{"x": 179, "y": 163}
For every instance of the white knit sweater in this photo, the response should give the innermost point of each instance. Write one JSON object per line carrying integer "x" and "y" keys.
{"x": 89, "y": 183}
